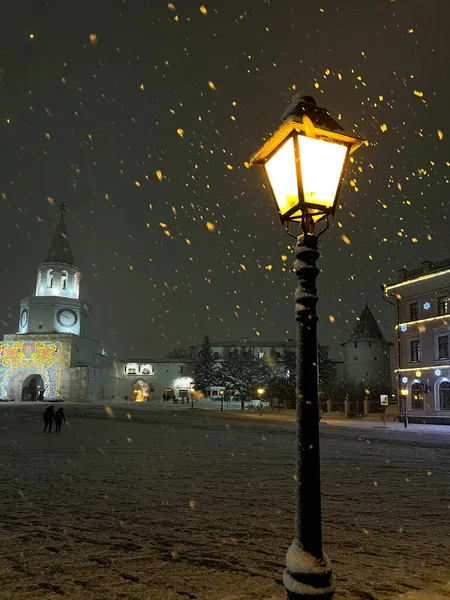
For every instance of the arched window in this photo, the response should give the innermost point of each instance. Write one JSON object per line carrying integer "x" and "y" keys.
{"x": 444, "y": 395}
{"x": 50, "y": 278}
{"x": 64, "y": 280}
{"x": 417, "y": 396}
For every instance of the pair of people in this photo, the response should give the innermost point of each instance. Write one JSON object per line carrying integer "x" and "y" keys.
{"x": 50, "y": 416}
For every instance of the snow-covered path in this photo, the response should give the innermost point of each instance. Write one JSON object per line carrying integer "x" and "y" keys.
{"x": 177, "y": 505}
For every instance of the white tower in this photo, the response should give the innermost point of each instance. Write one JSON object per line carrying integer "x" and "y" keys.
{"x": 367, "y": 353}
{"x": 56, "y": 307}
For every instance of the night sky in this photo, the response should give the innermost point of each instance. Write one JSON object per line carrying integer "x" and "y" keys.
{"x": 140, "y": 117}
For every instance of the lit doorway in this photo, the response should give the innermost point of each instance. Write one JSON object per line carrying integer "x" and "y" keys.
{"x": 141, "y": 391}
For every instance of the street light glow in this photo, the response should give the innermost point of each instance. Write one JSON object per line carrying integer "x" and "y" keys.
{"x": 282, "y": 173}
{"x": 305, "y": 161}
{"x": 321, "y": 163}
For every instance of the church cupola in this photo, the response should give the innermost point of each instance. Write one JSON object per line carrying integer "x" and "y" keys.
{"x": 57, "y": 274}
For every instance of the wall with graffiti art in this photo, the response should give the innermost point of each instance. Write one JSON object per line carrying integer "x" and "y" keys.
{"x": 20, "y": 359}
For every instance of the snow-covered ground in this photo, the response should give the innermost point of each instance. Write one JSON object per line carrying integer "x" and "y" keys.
{"x": 150, "y": 503}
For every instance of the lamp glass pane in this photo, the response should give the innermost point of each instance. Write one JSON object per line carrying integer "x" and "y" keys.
{"x": 321, "y": 164}
{"x": 281, "y": 171}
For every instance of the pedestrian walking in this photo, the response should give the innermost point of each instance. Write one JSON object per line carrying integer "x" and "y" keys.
{"x": 59, "y": 418}
{"x": 49, "y": 415}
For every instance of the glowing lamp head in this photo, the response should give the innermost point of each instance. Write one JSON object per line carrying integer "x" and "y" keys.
{"x": 305, "y": 161}
{"x": 260, "y": 391}
{"x": 404, "y": 392}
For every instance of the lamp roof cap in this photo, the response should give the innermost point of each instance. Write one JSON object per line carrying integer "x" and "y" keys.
{"x": 306, "y": 105}
{"x": 305, "y": 117}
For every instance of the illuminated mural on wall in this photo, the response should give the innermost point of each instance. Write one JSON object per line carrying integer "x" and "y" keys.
{"x": 43, "y": 358}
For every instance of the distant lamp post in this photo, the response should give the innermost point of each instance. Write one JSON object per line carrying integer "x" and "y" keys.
{"x": 305, "y": 161}
{"x": 404, "y": 393}
{"x": 221, "y": 393}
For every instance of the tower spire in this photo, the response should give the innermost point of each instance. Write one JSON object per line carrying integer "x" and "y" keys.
{"x": 59, "y": 250}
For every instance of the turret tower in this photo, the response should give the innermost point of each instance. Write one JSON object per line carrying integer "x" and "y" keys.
{"x": 56, "y": 306}
{"x": 367, "y": 353}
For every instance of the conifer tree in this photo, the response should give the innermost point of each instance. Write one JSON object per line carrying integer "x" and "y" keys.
{"x": 205, "y": 367}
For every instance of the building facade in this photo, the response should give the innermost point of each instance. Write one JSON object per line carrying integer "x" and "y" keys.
{"x": 423, "y": 329}
{"x": 259, "y": 349}
{"x": 367, "y": 354}
{"x": 52, "y": 354}
{"x": 144, "y": 379}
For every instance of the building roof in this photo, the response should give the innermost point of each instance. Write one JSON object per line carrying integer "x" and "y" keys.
{"x": 59, "y": 250}
{"x": 149, "y": 361}
{"x": 426, "y": 268}
{"x": 367, "y": 328}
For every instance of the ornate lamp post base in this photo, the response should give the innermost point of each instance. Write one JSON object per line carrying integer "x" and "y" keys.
{"x": 306, "y": 577}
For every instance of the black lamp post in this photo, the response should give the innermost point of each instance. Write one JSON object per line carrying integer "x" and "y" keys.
{"x": 305, "y": 161}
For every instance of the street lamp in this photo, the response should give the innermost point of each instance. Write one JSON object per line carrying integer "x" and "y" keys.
{"x": 305, "y": 161}
{"x": 404, "y": 393}
{"x": 400, "y": 391}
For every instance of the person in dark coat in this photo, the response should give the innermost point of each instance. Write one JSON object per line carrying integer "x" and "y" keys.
{"x": 59, "y": 417}
{"x": 49, "y": 415}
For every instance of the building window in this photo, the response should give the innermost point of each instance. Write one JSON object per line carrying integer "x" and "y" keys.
{"x": 442, "y": 347}
{"x": 64, "y": 280}
{"x": 132, "y": 371}
{"x": 443, "y": 305}
{"x": 415, "y": 351}
{"x": 444, "y": 395}
{"x": 414, "y": 311}
{"x": 50, "y": 278}
{"x": 417, "y": 397}
{"x": 40, "y": 325}
{"x": 215, "y": 393}
{"x": 356, "y": 344}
